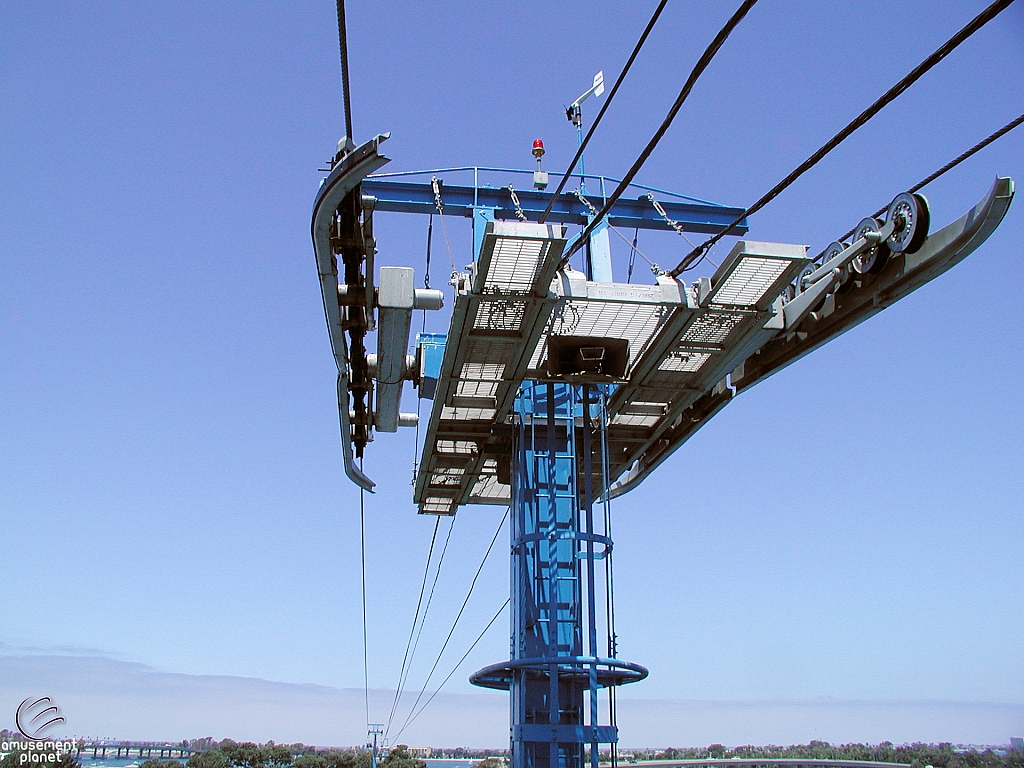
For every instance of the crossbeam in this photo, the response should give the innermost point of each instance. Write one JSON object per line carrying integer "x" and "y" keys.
{"x": 637, "y": 213}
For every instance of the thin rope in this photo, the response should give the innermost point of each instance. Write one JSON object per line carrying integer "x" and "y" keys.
{"x": 457, "y": 665}
{"x": 455, "y": 623}
{"x": 430, "y": 597}
{"x": 915, "y": 74}
{"x": 362, "y": 560}
{"x": 426, "y": 609}
{"x": 415, "y": 621}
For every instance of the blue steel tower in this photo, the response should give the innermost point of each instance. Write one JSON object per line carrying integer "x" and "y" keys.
{"x": 556, "y": 390}
{"x": 563, "y": 652}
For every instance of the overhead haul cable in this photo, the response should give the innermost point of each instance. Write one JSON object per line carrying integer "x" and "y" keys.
{"x": 423, "y": 622}
{"x": 343, "y": 45}
{"x": 697, "y": 71}
{"x": 362, "y": 562}
{"x": 604, "y": 108}
{"x": 415, "y": 621}
{"x": 952, "y": 164}
{"x": 456, "y": 667}
{"x": 426, "y": 610}
{"x": 455, "y": 623}
{"x": 915, "y": 74}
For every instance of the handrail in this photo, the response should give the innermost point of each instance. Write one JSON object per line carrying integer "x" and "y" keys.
{"x": 478, "y": 168}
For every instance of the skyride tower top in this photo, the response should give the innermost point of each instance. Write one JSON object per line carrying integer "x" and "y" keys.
{"x": 556, "y": 390}
{"x": 673, "y": 353}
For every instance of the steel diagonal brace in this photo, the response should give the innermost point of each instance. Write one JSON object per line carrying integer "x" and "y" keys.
{"x": 344, "y": 178}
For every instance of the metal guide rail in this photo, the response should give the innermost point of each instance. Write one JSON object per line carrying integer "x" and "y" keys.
{"x": 674, "y": 354}
{"x": 860, "y": 280}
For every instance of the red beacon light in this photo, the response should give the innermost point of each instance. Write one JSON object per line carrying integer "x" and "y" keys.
{"x": 540, "y": 178}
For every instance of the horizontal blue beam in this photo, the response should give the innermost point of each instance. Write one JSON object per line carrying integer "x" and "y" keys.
{"x": 410, "y": 197}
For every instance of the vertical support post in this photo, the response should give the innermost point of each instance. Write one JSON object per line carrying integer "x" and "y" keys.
{"x": 600, "y": 250}
{"x": 481, "y": 216}
{"x": 588, "y": 501}
{"x": 376, "y": 729}
{"x": 555, "y": 706}
{"x": 555, "y": 673}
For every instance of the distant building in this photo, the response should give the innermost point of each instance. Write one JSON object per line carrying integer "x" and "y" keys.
{"x": 421, "y": 752}
{"x": 1017, "y": 744}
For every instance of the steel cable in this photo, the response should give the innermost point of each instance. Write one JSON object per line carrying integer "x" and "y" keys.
{"x": 604, "y": 108}
{"x": 455, "y": 623}
{"x": 457, "y": 665}
{"x": 343, "y": 46}
{"x": 430, "y": 599}
{"x": 951, "y": 165}
{"x": 362, "y": 561}
{"x": 698, "y": 70}
{"x": 415, "y": 621}
{"x": 915, "y": 74}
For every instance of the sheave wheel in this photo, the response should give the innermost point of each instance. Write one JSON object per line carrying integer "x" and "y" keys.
{"x": 845, "y": 281}
{"x": 910, "y": 212}
{"x": 873, "y": 260}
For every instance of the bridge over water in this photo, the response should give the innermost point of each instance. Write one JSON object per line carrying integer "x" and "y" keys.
{"x": 130, "y": 749}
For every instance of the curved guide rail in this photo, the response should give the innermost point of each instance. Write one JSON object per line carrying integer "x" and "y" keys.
{"x": 839, "y": 312}
{"x": 340, "y": 186}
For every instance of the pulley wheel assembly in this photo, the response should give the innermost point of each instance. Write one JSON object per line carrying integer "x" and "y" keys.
{"x": 873, "y": 260}
{"x": 910, "y": 213}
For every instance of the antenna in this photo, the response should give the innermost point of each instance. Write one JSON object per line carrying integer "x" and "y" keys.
{"x": 573, "y": 110}
{"x": 575, "y": 115}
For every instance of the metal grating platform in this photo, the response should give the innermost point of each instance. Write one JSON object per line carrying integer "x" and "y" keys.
{"x": 499, "y": 313}
{"x": 679, "y": 344}
{"x": 688, "y": 349}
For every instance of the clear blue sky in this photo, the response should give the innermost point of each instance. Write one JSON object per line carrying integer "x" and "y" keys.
{"x": 170, "y": 479}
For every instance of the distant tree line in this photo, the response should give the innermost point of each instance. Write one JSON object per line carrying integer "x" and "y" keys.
{"x": 232, "y": 754}
{"x": 916, "y": 755}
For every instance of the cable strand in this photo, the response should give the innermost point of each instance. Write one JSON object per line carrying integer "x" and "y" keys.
{"x": 362, "y": 561}
{"x": 343, "y": 46}
{"x": 415, "y": 621}
{"x": 604, "y": 108}
{"x": 913, "y": 76}
{"x": 426, "y": 611}
{"x": 458, "y": 616}
{"x": 698, "y": 70}
{"x": 457, "y": 665}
